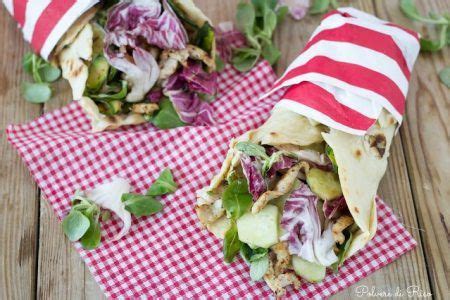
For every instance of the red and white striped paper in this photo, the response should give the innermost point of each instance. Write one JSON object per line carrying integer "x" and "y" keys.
{"x": 353, "y": 66}
{"x": 44, "y": 22}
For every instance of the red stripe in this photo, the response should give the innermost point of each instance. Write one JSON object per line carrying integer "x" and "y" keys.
{"x": 364, "y": 37}
{"x": 321, "y": 100}
{"x": 347, "y": 15}
{"x": 336, "y": 12}
{"x": 411, "y": 32}
{"x": 354, "y": 75}
{"x": 19, "y": 9}
{"x": 48, "y": 20}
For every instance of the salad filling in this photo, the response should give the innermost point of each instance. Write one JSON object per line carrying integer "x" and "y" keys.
{"x": 280, "y": 202}
{"x": 140, "y": 61}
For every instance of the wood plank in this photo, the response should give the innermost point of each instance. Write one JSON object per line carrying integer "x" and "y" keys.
{"x": 19, "y": 195}
{"x": 60, "y": 269}
{"x": 61, "y": 272}
{"x": 425, "y": 137}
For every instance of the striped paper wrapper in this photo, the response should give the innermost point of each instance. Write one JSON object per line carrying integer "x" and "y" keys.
{"x": 353, "y": 66}
{"x": 44, "y": 22}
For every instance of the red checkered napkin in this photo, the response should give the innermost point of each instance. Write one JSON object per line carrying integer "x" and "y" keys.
{"x": 169, "y": 254}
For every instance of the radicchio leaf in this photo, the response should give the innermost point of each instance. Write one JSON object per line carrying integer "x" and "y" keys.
{"x": 252, "y": 171}
{"x": 129, "y": 22}
{"x": 297, "y": 8}
{"x": 191, "y": 108}
{"x": 198, "y": 80}
{"x": 142, "y": 74}
{"x": 130, "y": 26}
{"x": 183, "y": 89}
{"x": 193, "y": 78}
{"x": 303, "y": 231}
{"x": 108, "y": 195}
{"x": 283, "y": 163}
{"x": 336, "y": 208}
{"x": 228, "y": 37}
{"x": 155, "y": 95}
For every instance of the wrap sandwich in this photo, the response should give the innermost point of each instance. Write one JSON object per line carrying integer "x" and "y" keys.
{"x": 131, "y": 62}
{"x": 297, "y": 196}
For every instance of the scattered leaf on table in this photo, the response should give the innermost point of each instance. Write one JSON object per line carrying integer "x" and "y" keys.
{"x": 36, "y": 92}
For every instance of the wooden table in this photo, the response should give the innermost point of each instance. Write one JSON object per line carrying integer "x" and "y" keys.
{"x": 37, "y": 260}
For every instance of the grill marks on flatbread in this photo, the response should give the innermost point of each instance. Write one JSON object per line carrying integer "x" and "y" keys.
{"x": 361, "y": 165}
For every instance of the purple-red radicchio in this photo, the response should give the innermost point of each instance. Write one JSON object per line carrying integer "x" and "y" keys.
{"x": 302, "y": 227}
{"x": 252, "y": 171}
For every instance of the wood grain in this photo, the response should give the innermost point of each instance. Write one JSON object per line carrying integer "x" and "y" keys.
{"x": 425, "y": 137}
{"x": 61, "y": 272}
{"x": 37, "y": 260}
{"x": 19, "y": 195}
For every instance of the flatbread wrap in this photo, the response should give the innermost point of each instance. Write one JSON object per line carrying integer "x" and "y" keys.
{"x": 297, "y": 196}
{"x": 129, "y": 62}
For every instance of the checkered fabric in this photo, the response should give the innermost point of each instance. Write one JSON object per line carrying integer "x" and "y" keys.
{"x": 169, "y": 254}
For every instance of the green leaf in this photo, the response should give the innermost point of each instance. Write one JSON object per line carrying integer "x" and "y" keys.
{"x": 49, "y": 73}
{"x": 343, "y": 249}
{"x": 75, "y": 225}
{"x": 236, "y": 199}
{"x": 246, "y": 252}
{"x": 93, "y": 236}
{"x": 110, "y": 107}
{"x": 245, "y": 18}
{"x": 334, "y": 4}
{"x": 112, "y": 74}
{"x": 112, "y": 93}
{"x": 251, "y": 255}
{"x": 36, "y": 92}
{"x": 274, "y": 158}
{"x": 444, "y": 75}
{"x": 231, "y": 244}
{"x": 258, "y": 253}
{"x": 270, "y": 23}
{"x": 281, "y": 13}
{"x": 220, "y": 65}
{"x": 270, "y": 53}
{"x": 435, "y": 45}
{"x": 330, "y": 153}
{"x": 272, "y": 4}
{"x": 81, "y": 206}
{"x": 260, "y": 6}
{"x": 252, "y": 149}
{"x": 141, "y": 205}
{"x": 244, "y": 61}
{"x": 319, "y": 7}
{"x": 36, "y": 62}
{"x": 409, "y": 8}
{"x": 167, "y": 117}
{"x": 163, "y": 185}
{"x": 259, "y": 267}
{"x": 205, "y": 37}
{"x": 27, "y": 62}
